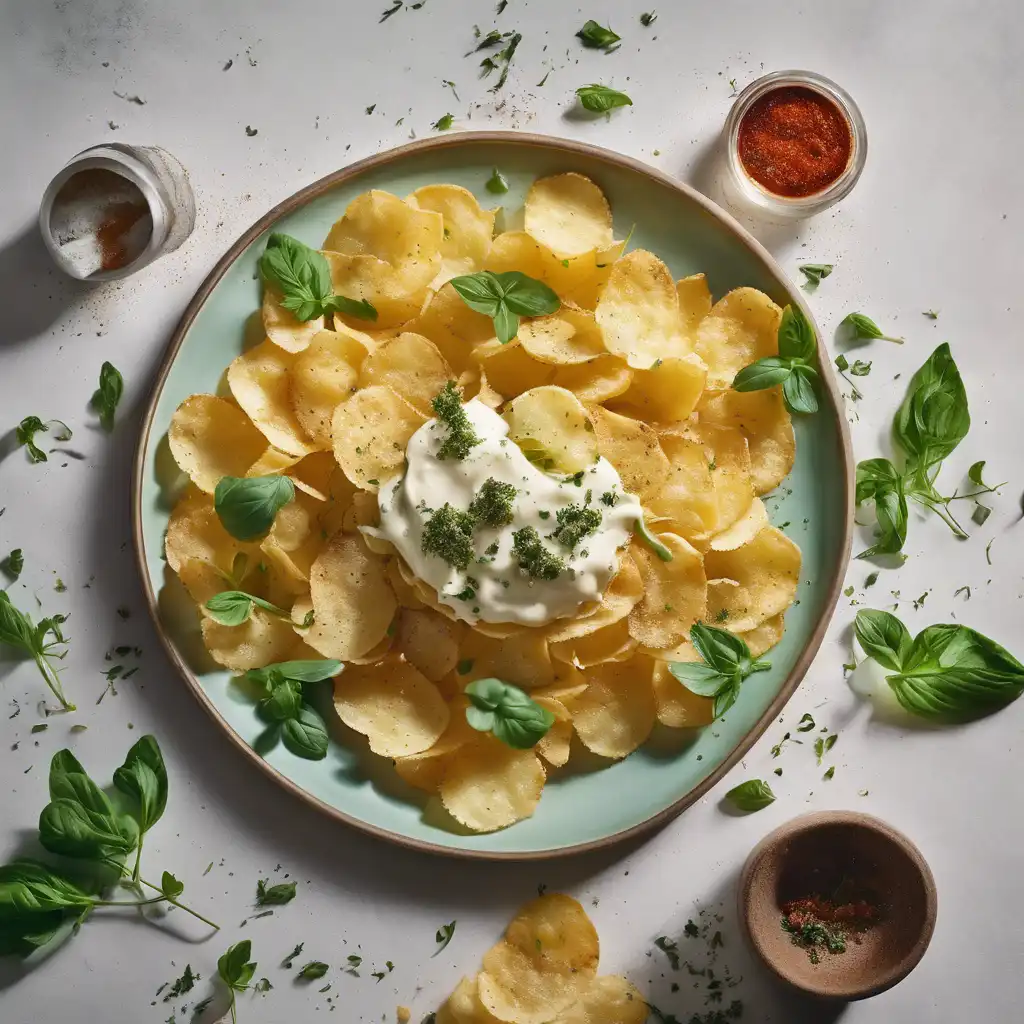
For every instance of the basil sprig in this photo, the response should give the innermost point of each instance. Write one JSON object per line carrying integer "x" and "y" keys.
{"x": 946, "y": 672}
{"x": 234, "y": 607}
{"x": 507, "y": 712}
{"x": 303, "y": 276}
{"x": 727, "y": 662}
{"x": 248, "y": 505}
{"x": 236, "y": 970}
{"x": 793, "y": 367}
{"x": 293, "y": 720}
{"x": 933, "y": 419}
{"x": 505, "y": 297}
{"x": 863, "y": 328}
{"x": 752, "y": 795}
{"x": 599, "y": 99}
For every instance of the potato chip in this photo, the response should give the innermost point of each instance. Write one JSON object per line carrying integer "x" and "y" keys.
{"x": 555, "y": 745}
{"x": 597, "y": 381}
{"x": 575, "y": 279}
{"x": 261, "y": 640}
{"x": 607, "y": 1000}
{"x": 620, "y": 596}
{"x": 466, "y": 228}
{"x": 396, "y": 293}
{"x": 272, "y": 462}
{"x": 638, "y": 311}
{"x": 633, "y": 449}
{"x": 406, "y": 595}
{"x": 293, "y": 543}
{"x": 677, "y": 707}
{"x": 313, "y": 475}
{"x": 411, "y": 366}
{"x": 375, "y": 654}
{"x": 730, "y": 471}
{"x": 568, "y": 337}
{"x": 554, "y": 424}
{"x": 426, "y": 769}
{"x": 675, "y": 593}
{"x": 379, "y": 224}
{"x": 667, "y": 392}
{"x": 765, "y": 636}
{"x": 609, "y": 643}
{"x": 520, "y": 658}
{"x": 686, "y": 503}
{"x": 260, "y": 381}
{"x": 763, "y": 417}
{"x": 487, "y": 785}
{"x": 543, "y": 964}
{"x": 510, "y": 370}
{"x": 211, "y": 438}
{"x": 352, "y": 599}
{"x": 473, "y": 383}
{"x": 453, "y": 327}
{"x": 694, "y": 302}
{"x": 743, "y": 530}
{"x": 767, "y": 571}
{"x": 569, "y": 214}
{"x": 616, "y": 712}
{"x": 202, "y": 579}
{"x": 464, "y": 1006}
{"x": 194, "y": 530}
{"x": 393, "y": 705}
{"x": 741, "y": 328}
{"x": 429, "y": 641}
{"x": 323, "y": 376}
{"x": 282, "y": 327}
{"x": 371, "y": 431}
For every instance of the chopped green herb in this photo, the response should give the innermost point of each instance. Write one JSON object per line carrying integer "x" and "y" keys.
{"x": 25, "y": 434}
{"x": 830, "y": 772}
{"x": 184, "y": 984}
{"x": 13, "y": 564}
{"x": 597, "y": 37}
{"x": 822, "y": 745}
{"x": 447, "y": 534}
{"x": 963, "y": 590}
{"x": 647, "y": 18}
{"x": 464, "y": 667}
{"x": 313, "y": 971}
{"x": 292, "y": 956}
{"x": 815, "y": 272}
{"x": 497, "y": 183}
{"x": 806, "y": 723}
{"x": 932, "y": 314}
{"x": 275, "y": 895}
{"x": 574, "y": 523}
{"x": 533, "y": 558}
{"x": 444, "y": 936}
{"x": 980, "y": 513}
{"x": 443, "y": 123}
{"x": 610, "y": 498}
{"x": 670, "y": 949}
{"x": 108, "y": 395}
{"x": 870, "y": 580}
{"x": 262, "y": 986}
{"x": 448, "y": 408}
{"x": 370, "y": 109}
{"x": 492, "y": 506}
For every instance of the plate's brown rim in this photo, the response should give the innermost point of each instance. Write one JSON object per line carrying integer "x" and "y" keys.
{"x": 563, "y": 146}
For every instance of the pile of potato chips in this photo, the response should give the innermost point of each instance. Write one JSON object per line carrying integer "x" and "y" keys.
{"x": 635, "y": 367}
{"x": 544, "y": 971}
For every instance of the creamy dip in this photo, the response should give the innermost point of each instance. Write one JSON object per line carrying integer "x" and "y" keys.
{"x": 493, "y": 587}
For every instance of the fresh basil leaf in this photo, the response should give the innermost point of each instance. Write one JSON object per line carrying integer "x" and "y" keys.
{"x": 643, "y": 531}
{"x": 504, "y": 297}
{"x": 974, "y": 473}
{"x": 750, "y": 796}
{"x": 506, "y": 711}
{"x": 274, "y": 895}
{"x": 247, "y": 506}
{"x": 597, "y": 37}
{"x": 443, "y": 936}
{"x": 29, "y": 887}
{"x": 306, "y": 735}
{"x": 720, "y": 649}
{"x": 63, "y": 763}
{"x": 170, "y": 886}
{"x": 874, "y": 476}
{"x": 70, "y": 828}
{"x": 108, "y": 394}
{"x": 25, "y": 434}
{"x": 798, "y": 390}
{"x": 698, "y": 678}
{"x": 144, "y": 777}
{"x": 233, "y": 607}
{"x": 481, "y": 292}
{"x": 233, "y": 967}
{"x": 816, "y": 272}
{"x": 442, "y": 124}
{"x": 526, "y": 295}
{"x": 361, "y": 309}
{"x": 497, "y": 183}
{"x": 765, "y": 373}
{"x": 313, "y": 671}
{"x": 284, "y": 702}
{"x": 599, "y": 99}
{"x": 13, "y": 564}
{"x": 860, "y": 368}
{"x": 863, "y": 327}
{"x": 883, "y": 638}
{"x": 313, "y": 971}
{"x": 796, "y": 335}
{"x": 878, "y": 480}
{"x": 506, "y": 323}
{"x": 300, "y": 273}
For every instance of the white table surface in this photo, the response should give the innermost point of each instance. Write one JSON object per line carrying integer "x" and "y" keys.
{"x": 934, "y": 223}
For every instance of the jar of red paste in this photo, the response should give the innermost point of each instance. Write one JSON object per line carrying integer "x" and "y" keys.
{"x": 795, "y": 144}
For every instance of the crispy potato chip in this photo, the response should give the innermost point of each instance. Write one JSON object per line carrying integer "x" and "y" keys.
{"x": 201, "y": 579}
{"x": 426, "y": 769}
{"x": 633, "y": 449}
{"x": 608, "y": 643}
{"x": 352, "y": 599}
{"x": 429, "y": 641}
{"x": 552, "y": 422}
{"x": 261, "y": 640}
{"x": 686, "y": 503}
{"x": 520, "y": 658}
{"x": 675, "y": 593}
{"x": 620, "y": 596}
{"x": 272, "y": 462}
{"x": 281, "y": 326}
{"x": 375, "y": 654}
{"x": 568, "y": 337}
{"x": 616, "y": 712}
{"x": 487, "y": 785}
{"x": 464, "y": 1006}
{"x": 313, "y": 475}
{"x": 467, "y": 229}
{"x": 411, "y": 366}
{"x": 371, "y": 431}
{"x": 743, "y": 530}
{"x": 363, "y": 511}
{"x": 554, "y": 746}
{"x": 569, "y": 214}
{"x": 766, "y": 570}
{"x": 379, "y": 224}
{"x": 741, "y": 328}
{"x": 763, "y": 417}
{"x": 194, "y": 530}
{"x": 211, "y": 438}
{"x": 453, "y": 327}
{"x": 667, "y": 392}
{"x": 638, "y": 311}
{"x": 393, "y": 705}
{"x": 323, "y": 376}
{"x": 730, "y": 471}
{"x": 602, "y": 378}
{"x": 406, "y": 595}
{"x": 294, "y": 542}
{"x": 473, "y": 383}
{"x": 677, "y": 707}
{"x": 694, "y": 302}
{"x": 543, "y": 964}
{"x": 260, "y": 381}
{"x": 765, "y": 636}
{"x": 510, "y": 370}
{"x": 607, "y": 1000}
{"x": 396, "y": 293}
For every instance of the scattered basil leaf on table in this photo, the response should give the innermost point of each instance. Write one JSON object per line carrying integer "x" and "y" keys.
{"x": 236, "y": 971}
{"x": 247, "y": 506}
{"x": 862, "y": 327}
{"x": 233, "y": 607}
{"x": 505, "y": 297}
{"x": 726, "y": 663}
{"x": 143, "y": 777}
{"x": 274, "y": 895}
{"x": 107, "y": 396}
{"x": 25, "y": 434}
{"x": 170, "y": 886}
{"x": 497, "y": 183}
{"x": 504, "y": 59}
{"x": 647, "y": 18}
{"x": 946, "y": 673}
{"x": 507, "y": 712}
{"x": 823, "y": 744}
{"x": 13, "y": 564}
{"x": 597, "y": 37}
{"x": 752, "y": 795}
{"x": 599, "y": 99}
{"x": 444, "y": 936}
{"x": 43, "y": 642}
{"x": 816, "y": 272}
{"x": 443, "y": 123}
{"x": 313, "y": 971}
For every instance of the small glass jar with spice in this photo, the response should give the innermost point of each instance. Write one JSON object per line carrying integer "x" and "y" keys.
{"x": 795, "y": 144}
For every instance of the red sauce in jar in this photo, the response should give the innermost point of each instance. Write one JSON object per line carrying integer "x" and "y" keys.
{"x": 794, "y": 141}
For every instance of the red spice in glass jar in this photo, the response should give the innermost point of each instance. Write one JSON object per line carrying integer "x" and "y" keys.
{"x": 794, "y": 141}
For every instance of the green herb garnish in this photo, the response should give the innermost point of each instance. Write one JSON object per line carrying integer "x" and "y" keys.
{"x": 507, "y": 712}
{"x": 647, "y": 18}
{"x": 643, "y": 531}
{"x": 274, "y": 895}
{"x": 793, "y": 367}
{"x": 448, "y": 534}
{"x": 108, "y": 394}
{"x": 493, "y": 504}
{"x": 823, "y": 744}
{"x": 235, "y": 970}
{"x": 670, "y": 949}
{"x": 497, "y": 183}
{"x": 43, "y": 642}
{"x": 25, "y": 434}
{"x": 448, "y": 408}
{"x": 806, "y": 723}
{"x": 752, "y": 795}
{"x": 816, "y": 272}
{"x": 862, "y": 327}
{"x": 13, "y": 564}
{"x": 505, "y": 297}
{"x": 292, "y": 719}
{"x": 289, "y": 960}
{"x": 574, "y": 523}
{"x": 444, "y": 936}
{"x": 233, "y": 607}
{"x": 533, "y": 558}
{"x": 597, "y": 37}
{"x": 247, "y": 506}
{"x": 314, "y": 970}
{"x": 443, "y": 123}
{"x": 600, "y": 99}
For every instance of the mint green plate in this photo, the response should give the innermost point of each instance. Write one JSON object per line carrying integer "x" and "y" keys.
{"x": 601, "y": 803}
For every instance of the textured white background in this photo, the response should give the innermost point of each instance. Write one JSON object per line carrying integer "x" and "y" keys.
{"x": 934, "y": 223}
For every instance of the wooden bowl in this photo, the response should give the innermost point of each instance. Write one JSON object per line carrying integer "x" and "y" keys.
{"x": 785, "y": 865}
